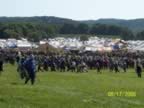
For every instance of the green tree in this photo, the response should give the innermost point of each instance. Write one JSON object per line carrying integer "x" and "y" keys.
{"x": 68, "y": 29}
{"x": 82, "y": 28}
{"x": 10, "y": 34}
{"x": 34, "y": 36}
{"x": 126, "y": 34}
{"x": 140, "y": 35}
{"x": 84, "y": 38}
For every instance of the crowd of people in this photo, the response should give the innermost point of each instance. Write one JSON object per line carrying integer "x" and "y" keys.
{"x": 29, "y": 63}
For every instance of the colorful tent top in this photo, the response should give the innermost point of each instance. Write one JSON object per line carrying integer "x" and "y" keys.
{"x": 93, "y": 44}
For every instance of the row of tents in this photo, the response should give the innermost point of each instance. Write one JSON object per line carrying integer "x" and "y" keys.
{"x": 92, "y": 44}
{"x": 13, "y": 43}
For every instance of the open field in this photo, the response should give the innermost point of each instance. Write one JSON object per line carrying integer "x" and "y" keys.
{"x": 71, "y": 90}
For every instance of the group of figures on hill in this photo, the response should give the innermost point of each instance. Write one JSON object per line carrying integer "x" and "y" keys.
{"x": 29, "y": 63}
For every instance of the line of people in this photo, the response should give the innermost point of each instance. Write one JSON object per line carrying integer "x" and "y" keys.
{"x": 82, "y": 63}
{"x": 30, "y": 63}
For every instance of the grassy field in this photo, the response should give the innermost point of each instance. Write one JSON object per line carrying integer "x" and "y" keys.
{"x": 71, "y": 90}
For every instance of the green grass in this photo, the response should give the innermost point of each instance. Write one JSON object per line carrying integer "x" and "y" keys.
{"x": 70, "y": 90}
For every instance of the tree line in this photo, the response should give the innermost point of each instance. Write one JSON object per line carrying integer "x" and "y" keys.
{"x": 38, "y": 31}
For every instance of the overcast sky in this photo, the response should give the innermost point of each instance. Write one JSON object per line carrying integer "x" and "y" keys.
{"x": 74, "y": 9}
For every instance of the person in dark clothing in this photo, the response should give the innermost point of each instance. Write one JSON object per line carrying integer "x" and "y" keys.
{"x": 30, "y": 67}
{"x": 39, "y": 67}
{"x": 45, "y": 64}
{"x": 138, "y": 68}
{"x": 1, "y": 66}
{"x": 124, "y": 66}
{"x": 111, "y": 65}
{"x": 116, "y": 67}
{"x": 20, "y": 69}
{"x": 98, "y": 67}
{"x": 53, "y": 66}
{"x": 73, "y": 66}
{"x": 62, "y": 66}
{"x": 1, "y": 63}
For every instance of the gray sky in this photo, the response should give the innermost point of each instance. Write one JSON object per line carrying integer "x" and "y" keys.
{"x": 74, "y": 9}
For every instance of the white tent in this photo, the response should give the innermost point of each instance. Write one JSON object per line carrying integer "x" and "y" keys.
{"x": 23, "y": 44}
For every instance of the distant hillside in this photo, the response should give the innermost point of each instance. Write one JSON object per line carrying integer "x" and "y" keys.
{"x": 37, "y": 28}
{"x": 41, "y": 19}
{"x": 136, "y": 25}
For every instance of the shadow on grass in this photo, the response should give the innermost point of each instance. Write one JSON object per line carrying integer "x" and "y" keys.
{"x": 2, "y": 100}
{"x": 14, "y": 83}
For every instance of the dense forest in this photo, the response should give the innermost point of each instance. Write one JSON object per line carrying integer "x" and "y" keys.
{"x": 37, "y": 28}
{"x": 136, "y": 25}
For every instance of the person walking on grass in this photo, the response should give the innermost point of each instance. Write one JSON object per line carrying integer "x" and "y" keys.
{"x": 98, "y": 67}
{"x": 138, "y": 67}
{"x": 1, "y": 63}
{"x": 30, "y": 66}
